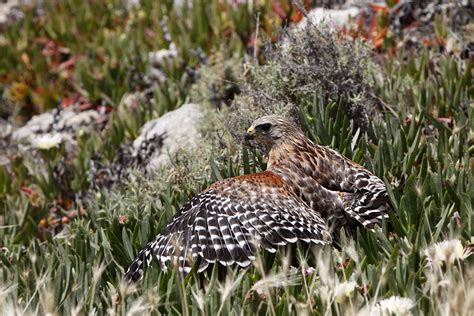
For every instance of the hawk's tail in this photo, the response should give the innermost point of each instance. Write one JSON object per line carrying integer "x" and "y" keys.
{"x": 136, "y": 269}
{"x": 367, "y": 208}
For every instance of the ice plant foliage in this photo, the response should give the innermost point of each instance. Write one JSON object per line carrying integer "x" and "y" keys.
{"x": 419, "y": 144}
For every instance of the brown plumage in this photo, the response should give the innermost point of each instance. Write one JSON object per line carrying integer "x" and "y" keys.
{"x": 305, "y": 187}
{"x": 342, "y": 191}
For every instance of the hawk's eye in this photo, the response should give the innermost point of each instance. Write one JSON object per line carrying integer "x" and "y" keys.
{"x": 265, "y": 127}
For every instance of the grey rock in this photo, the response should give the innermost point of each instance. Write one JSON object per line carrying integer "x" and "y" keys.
{"x": 65, "y": 122}
{"x": 6, "y": 128}
{"x": 11, "y": 10}
{"x": 74, "y": 120}
{"x": 38, "y": 124}
{"x": 6, "y": 8}
{"x": 334, "y": 17}
{"x": 165, "y": 136}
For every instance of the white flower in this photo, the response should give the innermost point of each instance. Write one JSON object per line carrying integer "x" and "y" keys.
{"x": 344, "y": 290}
{"x": 47, "y": 141}
{"x": 446, "y": 252}
{"x": 394, "y": 305}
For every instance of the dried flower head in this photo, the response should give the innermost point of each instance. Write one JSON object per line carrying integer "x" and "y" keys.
{"x": 446, "y": 252}
{"x": 394, "y": 305}
{"x": 344, "y": 290}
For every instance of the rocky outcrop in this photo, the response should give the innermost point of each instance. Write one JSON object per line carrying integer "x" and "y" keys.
{"x": 56, "y": 122}
{"x": 165, "y": 136}
{"x": 333, "y": 17}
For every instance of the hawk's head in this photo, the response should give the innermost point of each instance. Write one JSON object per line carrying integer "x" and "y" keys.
{"x": 269, "y": 131}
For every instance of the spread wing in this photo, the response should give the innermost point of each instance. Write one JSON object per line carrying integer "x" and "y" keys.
{"x": 229, "y": 222}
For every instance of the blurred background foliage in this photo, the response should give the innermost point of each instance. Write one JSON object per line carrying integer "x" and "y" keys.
{"x": 68, "y": 232}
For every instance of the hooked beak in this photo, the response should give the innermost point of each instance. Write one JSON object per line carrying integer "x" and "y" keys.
{"x": 249, "y": 134}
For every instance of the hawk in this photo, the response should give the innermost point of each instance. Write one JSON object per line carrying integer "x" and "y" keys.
{"x": 305, "y": 188}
